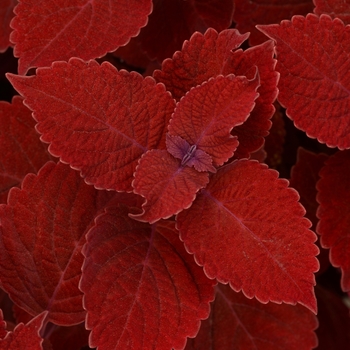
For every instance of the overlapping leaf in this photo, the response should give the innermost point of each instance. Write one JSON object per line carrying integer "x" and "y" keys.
{"x": 54, "y": 30}
{"x": 333, "y": 212}
{"x": 100, "y": 120}
{"x": 25, "y": 336}
{"x": 206, "y": 56}
{"x": 314, "y": 62}
{"x": 236, "y": 322}
{"x": 6, "y": 14}
{"x": 157, "y": 294}
{"x": 205, "y": 116}
{"x": 334, "y": 8}
{"x": 21, "y": 150}
{"x": 249, "y": 13}
{"x": 247, "y": 228}
{"x": 167, "y": 186}
{"x": 173, "y": 22}
{"x": 42, "y": 231}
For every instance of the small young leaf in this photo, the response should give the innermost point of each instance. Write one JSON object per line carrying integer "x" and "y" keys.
{"x": 167, "y": 186}
{"x": 100, "y": 120}
{"x": 333, "y": 212}
{"x": 313, "y": 58}
{"x": 247, "y": 228}
{"x": 142, "y": 290}
{"x": 55, "y": 30}
{"x": 205, "y": 116}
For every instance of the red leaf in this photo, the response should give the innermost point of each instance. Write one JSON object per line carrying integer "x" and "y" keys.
{"x": 209, "y": 55}
{"x": 42, "y": 231}
{"x": 314, "y": 62}
{"x": 256, "y": 224}
{"x": 141, "y": 288}
{"x": 333, "y": 8}
{"x": 205, "y": 116}
{"x": 100, "y": 121}
{"x": 249, "y": 13}
{"x": 6, "y": 15}
{"x": 239, "y": 323}
{"x": 54, "y": 30}
{"x": 172, "y": 22}
{"x": 21, "y": 150}
{"x": 333, "y": 212}
{"x": 25, "y": 336}
{"x": 3, "y": 330}
{"x": 167, "y": 186}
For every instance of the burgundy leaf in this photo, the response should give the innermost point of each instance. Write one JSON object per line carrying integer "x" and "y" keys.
{"x": 141, "y": 288}
{"x": 3, "y": 330}
{"x": 256, "y": 224}
{"x": 314, "y": 62}
{"x": 6, "y": 15}
{"x": 25, "y": 336}
{"x": 42, "y": 231}
{"x": 249, "y": 13}
{"x": 239, "y": 323}
{"x": 333, "y": 332}
{"x": 205, "y": 116}
{"x": 172, "y": 22}
{"x": 100, "y": 120}
{"x": 333, "y": 212}
{"x": 54, "y": 30}
{"x": 21, "y": 150}
{"x": 189, "y": 155}
{"x": 206, "y": 56}
{"x": 334, "y": 8}
{"x": 167, "y": 186}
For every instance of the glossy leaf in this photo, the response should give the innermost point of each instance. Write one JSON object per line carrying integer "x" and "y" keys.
{"x": 6, "y": 15}
{"x": 334, "y": 8}
{"x": 157, "y": 295}
{"x": 212, "y": 54}
{"x": 167, "y": 186}
{"x": 100, "y": 120}
{"x": 21, "y": 150}
{"x": 249, "y": 13}
{"x": 239, "y": 323}
{"x": 172, "y": 22}
{"x": 25, "y": 336}
{"x": 55, "y": 30}
{"x": 333, "y": 212}
{"x": 314, "y": 62}
{"x": 42, "y": 229}
{"x": 256, "y": 223}
{"x": 205, "y": 116}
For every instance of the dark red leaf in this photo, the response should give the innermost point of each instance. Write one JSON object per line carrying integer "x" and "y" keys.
{"x": 167, "y": 186}
{"x": 247, "y": 228}
{"x": 3, "y": 330}
{"x": 314, "y": 62}
{"x": 142, "y": 290}
{"x": 206, "y": 56}
{"x": 6, "y": 15}
{"x": 42, "y": 231}
{"x": 334, "y": 8}
{"x": 333, "y": 212}
{"x": 21, "y": 150}
{"x": 249, "y": 13}
{"x": 205, "y": 116}
{"x": 172, "y": 22}
{"x": 333, "y": 332}
{"x": 25, "y": 336}
{"x": 55, "y": 30}
{"x": 100, "y": 120}
{"x": 239, "y": 323}
{"x": 189, "y": 155}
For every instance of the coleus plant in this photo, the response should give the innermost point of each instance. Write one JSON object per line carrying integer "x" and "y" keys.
{"x": 145, "y": 217}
